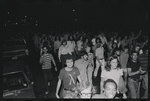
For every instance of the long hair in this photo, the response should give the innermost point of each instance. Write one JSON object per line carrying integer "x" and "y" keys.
{"x": 108, "y": 66}
{"x": 69, "y": 38}
{"x": 58, "y": 37}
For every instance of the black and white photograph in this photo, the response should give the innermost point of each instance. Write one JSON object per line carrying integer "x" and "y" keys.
{"x": 75, "y": 49}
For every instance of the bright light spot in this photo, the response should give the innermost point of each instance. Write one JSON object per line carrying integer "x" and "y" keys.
{"x": 8, "y": 21}
{"x": 25, "y": 16}
{"x": 73, "y": 10}
{"x": 36, "y": 24}
{"x": 16, "y": 23}
{"x": 8, "y": 12}
{"x": 75, "y": 19}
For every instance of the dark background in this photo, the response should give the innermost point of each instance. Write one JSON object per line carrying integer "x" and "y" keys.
{"x": 57, "y": 15}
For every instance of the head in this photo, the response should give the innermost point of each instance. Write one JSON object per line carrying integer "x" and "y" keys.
{"x": 114, "y": 45}
{"x": 83, "y": 55}
{"x": 45, "y": 49}
{"x": 81, "y": 38}
{"x": 126, "y": 49}
{"x": 70, "y": 38}
{"x": 117, "y": 52}
{"x": 88, "y": 49}
{"x": 137, "y": 48}
{"x": 110, "y": 88}
{"x": 113, "y": 63}
{"x": 98, "y": 40}
{"x": 112, "y": 38}
{"x": 57, "y": 38}
{"x": 64, "y": 42}
{"x": 86, "y": 93}
{"x": 69, "y": 62}
{"x": 134, "y": 56}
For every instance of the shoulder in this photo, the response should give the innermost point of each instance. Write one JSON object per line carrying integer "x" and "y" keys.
{"x": 62, "y": 70}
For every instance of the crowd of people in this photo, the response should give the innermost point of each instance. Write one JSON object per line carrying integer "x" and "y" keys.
{"x": 121, "y": 60}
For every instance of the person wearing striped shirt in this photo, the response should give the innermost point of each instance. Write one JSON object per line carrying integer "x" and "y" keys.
{"x": 45, "y": 61}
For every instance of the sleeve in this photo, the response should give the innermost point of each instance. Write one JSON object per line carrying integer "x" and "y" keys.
{"x": 121, "y": 72}
{"x": 51, "y": 56}
{"x": 96, "y": 54}
{"x": 41, "y": 59}
{"x": 60, "y": 76}
{"x": 103, "y": 74}
{"x": 77, "y": 71}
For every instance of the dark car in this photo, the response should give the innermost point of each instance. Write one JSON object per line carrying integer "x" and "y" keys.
{"x": 16, "y": 85}
{"x": 15, "y": 48}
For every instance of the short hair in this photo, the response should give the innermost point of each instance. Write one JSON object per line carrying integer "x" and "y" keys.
{"x": 69, "y": 57}
{"x": 108, "y": 81}
{"x": 70, "y": 37}
{"x": 63, "y": 41}
{"x": 98, "y": 39}
{"x": 134, "y": 52}
{"x": 82, "y": 53}
{"x": 126, "y": 47}
{"x": 108, "y": 66}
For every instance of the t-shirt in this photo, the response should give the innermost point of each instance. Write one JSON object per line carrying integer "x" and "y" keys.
{"x": 124, "y": 59}
{"x": 69, "y": 78}
{"x": 82, "y": 66}
{"x": 99, "y": 52}
{"x": 112, "y": 74}
{"x": 134, "y": 68}
{"x": 143, "y": 59}
{"x": 46, "y": 59}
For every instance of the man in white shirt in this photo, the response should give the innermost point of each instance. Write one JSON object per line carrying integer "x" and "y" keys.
{"x": 99, "y": 59}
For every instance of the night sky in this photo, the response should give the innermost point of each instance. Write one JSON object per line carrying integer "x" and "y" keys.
{"x": 60, "y": 15}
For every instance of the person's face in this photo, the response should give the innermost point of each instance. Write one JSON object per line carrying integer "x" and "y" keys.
{"x": 88, "y": 49}
{"x": 111, "y": 38}
{"x": 126, "y": 50}
{"x": 85, "y": 57}
{"x": 45, "y": 50}
{"x": 86, "y": 93}
{"x": 86, "y": 40}
{"x": 81, "y": 38}
{"x": 118, "y": 53}
{"x": 71, "y": 37}
{"x": 137, "y": 49}
{"x": 69, "y": 63}
{"x": 114, "y": 63}
{"x": 110, "y": 90}
{"x": 114, "y": 46}
{"x": 134, "y": 56}
{"x": 64, "y": 43}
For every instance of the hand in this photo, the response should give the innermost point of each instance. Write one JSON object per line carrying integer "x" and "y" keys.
{"x": 57, "y": 96}
{"x": 55, "y": 68}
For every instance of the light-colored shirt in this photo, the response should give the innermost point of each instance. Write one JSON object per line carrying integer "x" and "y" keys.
{"x": 57, "y": 44}
{"x": 99, "y": 53}
{"x": 112, "y": 74}
{"x": 124, "y": 59}
{"x": 63, "y": 50}
{"x": 82, "y": 66}
{"x": 71, "y": 45}
{"x": 79, "y": 45}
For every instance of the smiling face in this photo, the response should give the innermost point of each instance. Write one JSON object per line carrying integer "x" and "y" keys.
{"x": 114, "y": 63}
{"x": 110, "y": 90}
{"x": 69, "y": 63}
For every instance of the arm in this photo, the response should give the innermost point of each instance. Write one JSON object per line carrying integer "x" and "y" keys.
{"x": 132, "y": 73}
{"x": 41, "y": 60}
{"x": 59, "y": 53}
{"x": 79, "y": 78}
{"x": 101, "y": 85}
{"x": 58, "y": 87}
